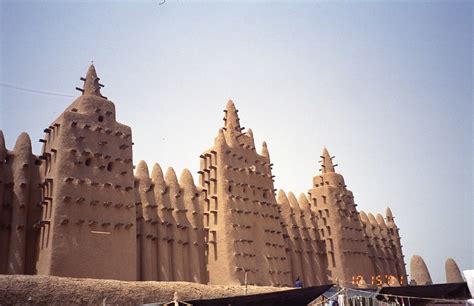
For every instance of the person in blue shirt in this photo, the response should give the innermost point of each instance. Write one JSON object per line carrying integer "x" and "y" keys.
{"x": 298, "y": 283}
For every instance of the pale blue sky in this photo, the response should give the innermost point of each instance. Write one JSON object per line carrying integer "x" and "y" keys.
{"x": 386, "y": 86}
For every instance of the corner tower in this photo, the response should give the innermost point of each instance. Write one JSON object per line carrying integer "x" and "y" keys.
{"x": 88, "y": 222}
{"x": 339, "y": 225}
{"x": 241, "y": 213}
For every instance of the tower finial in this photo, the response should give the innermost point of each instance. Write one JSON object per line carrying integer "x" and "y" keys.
{"x": 232, "y": 122}
{"x": 265, "y": 150}
{"x": 326, "y": 163}
{"x": 91, "y": 82}
{"x": 389, "y": 215}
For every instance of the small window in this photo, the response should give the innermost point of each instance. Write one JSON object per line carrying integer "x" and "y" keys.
{"x": 101, "y": 118}
{"x": 229, "y": 188}
{"x": 264, "y": 194}
{"x": 110, "y": 166}
{"x": 88, "y": 162}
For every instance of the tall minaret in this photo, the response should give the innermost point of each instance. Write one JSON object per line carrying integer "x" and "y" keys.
{"x": 241, "y": 213}
{"x": 88, "y": 224}
{"x": 338, "y": 221}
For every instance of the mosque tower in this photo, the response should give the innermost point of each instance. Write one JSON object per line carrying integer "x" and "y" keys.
{"x": 88, "y": 222}
{"x": 339, "y": 224}
{"x": 241, "y": 213}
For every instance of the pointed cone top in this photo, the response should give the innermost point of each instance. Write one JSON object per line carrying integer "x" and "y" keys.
{"x": 142, "y": 170}
{"x": 158, "y": 179}
{"x": 2, "y": 142}
{"x": 220, "y": 139}
{"x": 265, "y": 150}
{"x": 23, "y": 143}
{"x": 250, "y": 133}
{"x": 186, "y": 180}
{"x": 372, "y": 219}
{"x": 232, "y": 123}
{"x": 419, "y": 271}
{"x": 157, "y": 173}
{"x": 250, "y": 137}
{"x": 389, "y": 215}
{"x": 282, "y": 199}
{"x": 453, "y": 274}
{"x": 293, "y": 201}
{"x": 381, "y": 221}
{"x": 171, "y": 178}
{"x": 230, "y": 105}
{"x": 304, "y": 203}
{"x": 363, "y": 217}
{"x": 91, "y": 85}
{"x": 326, "y": 164}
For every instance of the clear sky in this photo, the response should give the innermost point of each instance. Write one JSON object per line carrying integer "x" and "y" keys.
{"x": 386, "y": 86}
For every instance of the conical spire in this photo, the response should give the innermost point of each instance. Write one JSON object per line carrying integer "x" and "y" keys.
{"x": 453, "y": 274}
{"x": 381, "y": 221}
{"x": 232, "y": 122}
{"x": 372, "y": 219}
{"x": 142, "y": 170}
{"x": 419, "y": 271}
{"x": 293, "y": 202}
{"x": 91, "y": 83}
{"x": 389, "y": 215}
{"x": 171, "y": 179}
{"x": 220, "y": 139}
{"x": 23, "y": 143}
{"x": 265, "y": 150}
{"x": 250, "y": 137}
{"x": 363, "y": 217}
{"x": 158, "y": 179}
{"x": 284, "y": 203}
{"x": 186, "y": 181}
{"x": 304, "y": 203}
{"x": 326, "y": 163}
{"x": 157, "y": 174}
{"x": 282, "y": 199}
{"x": 2, "y": 142}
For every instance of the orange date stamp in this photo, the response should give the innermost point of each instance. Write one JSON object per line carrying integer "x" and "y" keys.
{"x": 379, "y": 280}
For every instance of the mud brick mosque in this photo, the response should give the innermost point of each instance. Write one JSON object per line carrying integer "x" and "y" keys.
{"x": 79, "y": 210}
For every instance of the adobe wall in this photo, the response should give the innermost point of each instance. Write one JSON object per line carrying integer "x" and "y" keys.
{"x": 170, "y": 245}
{"x": 305, "y": 248}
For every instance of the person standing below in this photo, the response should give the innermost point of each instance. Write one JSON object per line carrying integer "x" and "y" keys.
{"x": 298, "y": 283}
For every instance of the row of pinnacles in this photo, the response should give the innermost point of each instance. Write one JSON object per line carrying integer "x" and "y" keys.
{"x": 170, "y": 232}
{"x": 78, "y": 210}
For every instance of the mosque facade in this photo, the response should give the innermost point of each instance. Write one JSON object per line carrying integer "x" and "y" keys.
{"x": 80, "y": 210}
